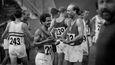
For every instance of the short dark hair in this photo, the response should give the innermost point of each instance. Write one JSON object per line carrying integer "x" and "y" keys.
{"x": 18, "y": 14}
{"x": 54, "y": 11}
{"x": 12, "y": 18}
{"x": 62, "y": 9}
{"x": 43, "y": 17}
{"x": 77, "y": 9}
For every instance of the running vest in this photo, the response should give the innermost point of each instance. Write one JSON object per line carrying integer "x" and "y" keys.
{"x": 46, "y": 48}
{"x": 60, "y": 28}
{"x": 98, "y": 23}
{"x": 73, "y": 32}
{"x": 16, "y": 35}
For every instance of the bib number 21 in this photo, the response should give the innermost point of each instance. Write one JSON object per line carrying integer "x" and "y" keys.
{"x": 47, "y": 49}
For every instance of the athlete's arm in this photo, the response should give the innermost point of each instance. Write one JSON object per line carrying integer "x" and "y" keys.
{"x": 80, "y": 25}
{"x": 37, "y": 35}
{"x": 47, "y": 41}
{"x": 2, "y": 24}
{"x": 26, "y": 31}
{"x": 67, "y": 22}
{"x": 5, "y": 33}
{"x": 47, "y": 33}
{"x": 51, "y": 28}
{"x": 93, "y": 20}
{"x": 37, "y": 38}
{"x": 51, "y": 25}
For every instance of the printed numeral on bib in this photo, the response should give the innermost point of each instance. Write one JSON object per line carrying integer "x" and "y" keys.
{"x": 14, "y": 41}
{"x": 47, "y": 49}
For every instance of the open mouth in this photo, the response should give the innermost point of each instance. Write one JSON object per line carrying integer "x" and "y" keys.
{"x": 48, "y": 24}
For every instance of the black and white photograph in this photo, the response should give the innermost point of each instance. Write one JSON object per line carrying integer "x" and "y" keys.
{"x": 57, "y": 32}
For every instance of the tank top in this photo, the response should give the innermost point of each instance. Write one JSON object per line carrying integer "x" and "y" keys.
{"x": 60, "y": 28}
{"x": 73, "y": 32}
{"x": 16, "y": 34}
{"x": 98, "y": 23}
{"x": 46, "y": 48}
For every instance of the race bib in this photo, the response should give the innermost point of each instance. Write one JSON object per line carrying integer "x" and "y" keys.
{"x": 48, "y": 49}
{"x": 59, "y": 31}
{"x": 71, "y": 36}
{"x": 15, "y": 40}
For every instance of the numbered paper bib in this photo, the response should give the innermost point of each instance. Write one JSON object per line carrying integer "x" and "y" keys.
{"x": 71, "y": 36}
{"x": 15, "y": 40}
{"x": 48, "y": 49}
{"x": 59, "y": 31}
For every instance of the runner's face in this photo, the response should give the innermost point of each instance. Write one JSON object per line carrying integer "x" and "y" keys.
{"x": 70, "y": 10}
{"x": 85, "y": 14}
{"x": 48, "y": 21}
{"x": 106, "y": 9}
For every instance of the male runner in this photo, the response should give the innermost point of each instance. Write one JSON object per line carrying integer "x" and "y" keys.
{"x": 87, "y": 38}
{"x": 97, "y": 22}
{"x": 16, "y": 31}
{"x": 54, "y": 14}
{"x": 43, "y": 56}
{"x": 58, "y": 26}
{"x": 75, "y": 33}
{"x": 105, "y": 54}
{"x": 6, "y": 43}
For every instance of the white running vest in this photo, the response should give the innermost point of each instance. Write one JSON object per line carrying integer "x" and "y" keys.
{"x": 16, "y": 35}
{"x": 98, "y": 23}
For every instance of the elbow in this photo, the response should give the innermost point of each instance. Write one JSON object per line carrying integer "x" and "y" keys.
{"x": 80, "y": 40}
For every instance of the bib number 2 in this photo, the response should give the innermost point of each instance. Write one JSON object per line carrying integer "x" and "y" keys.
{"x": 47, "y": 49}
{"x": 15, "y": 41}
{"x": 71, "y": 36}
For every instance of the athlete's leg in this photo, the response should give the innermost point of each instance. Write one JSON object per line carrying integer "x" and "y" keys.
{"x": 21, "y": 53}
{"x": 60, "y": 53}
{"x": 55, "y": 62}
{"x": 12, "y": 55}
{"x": 66, "y": 62}
{"x": 77, "y": 63}
{"x": 6, "y": 46}
{"x": 24, "y": 60}
{"x": 28, "y": 54}
{"x": 92, "y": 55}
{"x": 6, "y": 57}
{"x": 85, "y": 60}
{"x": 13, "y": 60}
{"x": 60, "y": 58}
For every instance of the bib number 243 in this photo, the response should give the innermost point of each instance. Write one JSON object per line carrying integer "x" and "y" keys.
{"x": 15, "y": 41}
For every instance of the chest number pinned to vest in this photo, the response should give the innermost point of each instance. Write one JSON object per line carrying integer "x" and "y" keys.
{"x": 14, "y": 41}
{"x": 48, "y": 49}
{"x": 71, "y": 36}
{"x": 59, "y": 31}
